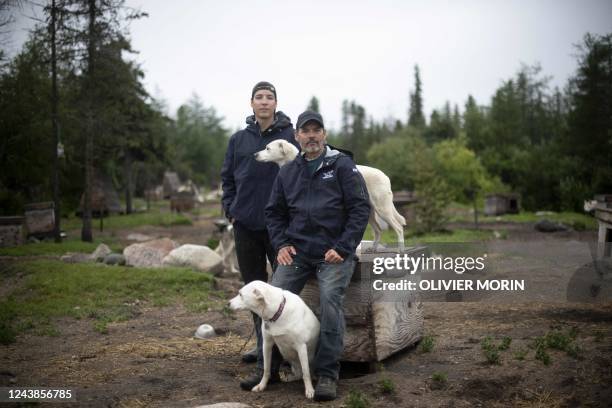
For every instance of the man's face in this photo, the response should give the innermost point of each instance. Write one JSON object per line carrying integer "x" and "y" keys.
{"x": 311, "y": 138}
{"x": 263, "y": 104}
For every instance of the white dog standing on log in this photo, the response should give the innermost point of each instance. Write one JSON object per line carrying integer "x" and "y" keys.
{"x": 286, "y": 322}
{"x": 378, "y": 184}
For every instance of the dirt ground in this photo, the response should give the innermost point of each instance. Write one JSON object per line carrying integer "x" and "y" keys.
{"x": 154, "y": 361}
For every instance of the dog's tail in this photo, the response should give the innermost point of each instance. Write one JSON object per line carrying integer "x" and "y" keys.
{"x": 398, "y": 217}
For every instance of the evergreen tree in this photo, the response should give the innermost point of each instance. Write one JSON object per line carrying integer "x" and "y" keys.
{"x": 589, "y": 139}
{"x": 313, "y": 104}
{"x": 415, "y": 113}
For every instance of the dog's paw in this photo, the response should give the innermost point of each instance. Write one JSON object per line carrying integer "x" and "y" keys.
{"x": 258, "y": 388}
{"x": 309, "y": 392}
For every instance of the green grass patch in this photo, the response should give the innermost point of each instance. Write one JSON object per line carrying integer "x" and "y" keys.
{"x": 55, "y": 248}
{"x": 356, "y": 399}
{"x": 440, "y": 379}
{"x": 491, "y": 350}
{"x": 556, "y": 339}
{"x": 127, "y": 221}
{"x": 52, "y": 289}
{"x": 412, "y": 238}
{"x": 577, "y": 221}
{"x": 386, "y": 386}
{"x": 427, "y": 344}
{"x": 520, "y": 354}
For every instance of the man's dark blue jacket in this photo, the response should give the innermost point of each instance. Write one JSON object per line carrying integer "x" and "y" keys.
{"x": 315, "y": 213}
{"x": 246, "y": 182}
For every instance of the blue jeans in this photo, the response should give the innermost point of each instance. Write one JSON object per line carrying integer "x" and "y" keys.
{"x": 333, "y": 280}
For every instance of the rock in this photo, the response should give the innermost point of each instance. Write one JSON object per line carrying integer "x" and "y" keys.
{"x": 101, "y": 251}
{"x": 225, "y": 405}
{"x": 198, "y": 257}
{"x": 549, "y": 226}
{"x": 544, "y": 213}
{"x": 114, "y": 259}
{"x": 148, "y": 254}
{"x": 205, "y": 331}
{"x": 138, "y": 237}
{"x": 33, "y": 240}
{"x": 76, "y": 257}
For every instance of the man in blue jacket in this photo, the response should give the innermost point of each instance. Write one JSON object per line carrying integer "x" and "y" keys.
{"x": 246, "y": 188}
{"x": 316, "y": 216}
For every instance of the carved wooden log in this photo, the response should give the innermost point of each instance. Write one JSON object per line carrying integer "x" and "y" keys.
{"x": 377, "y": 326}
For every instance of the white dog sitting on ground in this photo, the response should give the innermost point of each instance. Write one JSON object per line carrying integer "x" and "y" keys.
{"x": 286, "y": 322}
{"x": 378, "y": 184}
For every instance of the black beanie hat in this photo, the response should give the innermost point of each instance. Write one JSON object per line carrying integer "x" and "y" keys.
{"x": 263, "y": 85}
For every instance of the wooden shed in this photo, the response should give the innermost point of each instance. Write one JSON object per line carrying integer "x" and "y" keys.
{"x": 499, "y": 204}
{"x": 40, "y": 219}
{"x": 171, "y": 183}
{"x": 11, "y": 231}
{"x": 104, "y": 198}
{"x": 377, "y": 325}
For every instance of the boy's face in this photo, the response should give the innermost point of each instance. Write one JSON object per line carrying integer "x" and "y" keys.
{"x": 263, "y": 104}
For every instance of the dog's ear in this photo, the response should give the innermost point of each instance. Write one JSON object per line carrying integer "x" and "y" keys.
{"x": 281, "y": 147}
{"x": 258, "y": 295}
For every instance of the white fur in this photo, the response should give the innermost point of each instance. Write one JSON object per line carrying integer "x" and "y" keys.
{"x": 377, "y": 183}
{"x": 295, "y": 332}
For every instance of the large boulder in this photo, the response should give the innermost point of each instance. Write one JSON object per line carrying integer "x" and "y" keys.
{"x": 149, "y": 254}
{"x": 197, "y": 257}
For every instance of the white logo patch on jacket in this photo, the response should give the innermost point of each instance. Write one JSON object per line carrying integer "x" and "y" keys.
{"x": 327, "y": 175}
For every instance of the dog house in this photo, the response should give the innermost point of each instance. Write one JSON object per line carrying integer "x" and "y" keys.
{"x": 40, "y": 219}
{"x": 11, "y": 231}
{"x": 376, "y": 326}
{"x": 498, "y": 204}
{"x": 603, "y": 214}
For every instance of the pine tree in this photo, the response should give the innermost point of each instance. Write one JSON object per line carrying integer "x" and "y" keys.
{"x": 415, "y": 114}
{"x": 313, "y": 104}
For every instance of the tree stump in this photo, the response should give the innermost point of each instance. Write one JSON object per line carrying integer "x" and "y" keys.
{"x": 376, "y": 326}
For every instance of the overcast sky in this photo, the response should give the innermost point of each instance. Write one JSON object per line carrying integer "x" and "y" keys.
{"x": 361, "y": 50}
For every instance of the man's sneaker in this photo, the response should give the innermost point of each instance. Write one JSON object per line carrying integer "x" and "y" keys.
{"x": 325, "y": 390}
{"x": 250, "y": 356}
{"x": 255, "y": 378}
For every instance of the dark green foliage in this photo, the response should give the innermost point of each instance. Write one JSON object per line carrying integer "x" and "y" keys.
{"x": 313, "y": 104}
{"x": 416, "y": 118}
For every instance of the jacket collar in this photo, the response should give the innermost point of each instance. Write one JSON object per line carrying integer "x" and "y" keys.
{"x": 281, "y": 121}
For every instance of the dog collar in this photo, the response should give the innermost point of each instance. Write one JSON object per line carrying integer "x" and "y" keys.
{"x": 279, "y": 311}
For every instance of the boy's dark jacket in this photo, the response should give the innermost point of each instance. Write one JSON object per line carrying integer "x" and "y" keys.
{"x": 246, "y": 182}
{"x": 315, "y": 213}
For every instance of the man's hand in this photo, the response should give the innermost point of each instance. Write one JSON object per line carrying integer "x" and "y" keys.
{"x": 284, "y": 256}
{"x": 331, "y": 256}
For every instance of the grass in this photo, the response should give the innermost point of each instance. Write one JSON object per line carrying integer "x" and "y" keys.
{"x": 577, "y": 221}
{"x": 520, "y": 354}
{"x": 386, "y": 386}
{"x": 53, "y": 289}
{"x": 439, "y": 379}
{"x": 53, "y": 248}
{"x": 127, "y": 221}
{"x": 356, "y": 399}
{"x": 411, "y": 238}
{"x": 427, "y": 344}
{"x": 556, "y": 340}
{"x": 491, "y": 351}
